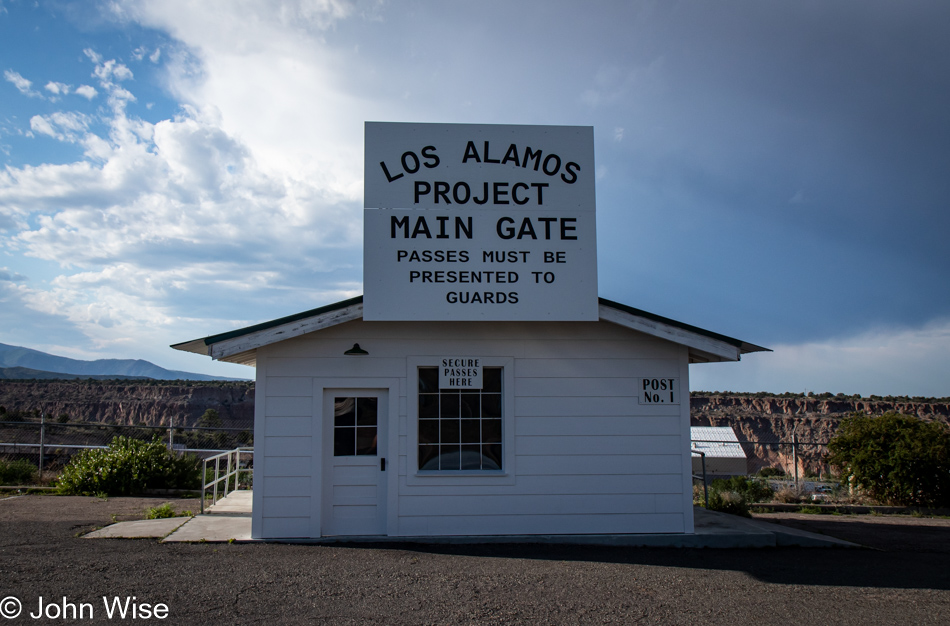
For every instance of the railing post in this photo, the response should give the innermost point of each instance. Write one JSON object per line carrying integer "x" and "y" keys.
{"x": 217, "y": 470}
{"x": 237, "y": 468}
{"x": 204, "y": 474}
{"x": 227, "y": 477}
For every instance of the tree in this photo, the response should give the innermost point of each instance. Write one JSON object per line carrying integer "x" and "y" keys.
{"x": 210, "y": 419}
{"x": 896, "y": 459}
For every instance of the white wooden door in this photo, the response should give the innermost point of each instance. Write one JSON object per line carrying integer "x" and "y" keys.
{"x": 355, "y": 427}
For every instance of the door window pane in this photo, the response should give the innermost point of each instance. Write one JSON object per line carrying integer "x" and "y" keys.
{"x": 355, "y": 426}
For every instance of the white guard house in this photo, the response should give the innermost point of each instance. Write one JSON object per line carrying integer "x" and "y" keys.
{"x": 412, "y": 428}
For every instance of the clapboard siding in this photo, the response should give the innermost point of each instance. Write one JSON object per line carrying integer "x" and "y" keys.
{"x": 665, "y": 484}
{"x": 283, "y": 406}
{"x": 340, "y": 367}
{"x": 527, "y": 504}
{"x": 287, "y": 466}
{"x": 596, "y": 464}
{"x": 669, "y": 503}
{"x": 576, "y": 387}
{"x": 289, "y": 386}
{"x": 579, "y": 524}
{"x": 587, "y": 457}
{"x": 286, "y": 486}
{"x": 560, "y": 445}
{"x": 289, "y": 426}
{"x": 287, "y": 446}
{"x": 285, "y": 527}
{"x": 594, "y": 368}
{"x": 626, "y": 425}
{"x": 283, "y": 506}
{"x": 589, "y": 407}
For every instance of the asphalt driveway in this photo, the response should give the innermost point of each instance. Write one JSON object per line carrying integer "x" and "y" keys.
{"x": 41, "y": 555}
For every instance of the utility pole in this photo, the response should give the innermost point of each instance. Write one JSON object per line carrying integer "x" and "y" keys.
{"x": 795, "y": 456}
{"x": 42, "y": 442}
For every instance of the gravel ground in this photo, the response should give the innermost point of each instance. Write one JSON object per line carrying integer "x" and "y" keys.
{"x": 903, "y": 580}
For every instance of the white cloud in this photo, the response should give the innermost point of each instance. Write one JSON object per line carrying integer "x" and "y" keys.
{"x": 237, "y": 57}
{"x": 23, "y": 85}
{"x": 911, "y": 362}
{"x": 42, "y": 125}
{"x": 142, "y": 52}
{"x": 87, "y": 91}
{"x": 158, "y": 218}
{"x": 94, "y": 56}
{"x": 57, "y": 89}
{"x": 110, "y": 69}
{"x": 65, "y": 126}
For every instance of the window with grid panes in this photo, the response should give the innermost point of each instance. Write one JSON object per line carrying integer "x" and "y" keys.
{"x": 459, "y": 429}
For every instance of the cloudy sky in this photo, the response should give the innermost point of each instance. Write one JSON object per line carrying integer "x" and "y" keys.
{"x": 778, "y": 172}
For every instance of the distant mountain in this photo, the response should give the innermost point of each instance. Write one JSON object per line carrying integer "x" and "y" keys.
{"x": 48, "y": 365}
{"x": 25, "y": 373}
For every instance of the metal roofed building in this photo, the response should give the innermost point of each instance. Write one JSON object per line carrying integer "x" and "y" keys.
{"x": 724, "y": 453}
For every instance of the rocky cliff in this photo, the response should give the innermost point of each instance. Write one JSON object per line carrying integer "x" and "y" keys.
{"x": 774, "y": 423}
{"x": 154, "y": 403}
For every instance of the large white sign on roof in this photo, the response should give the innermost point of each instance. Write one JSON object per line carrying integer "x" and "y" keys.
{"x": 479, "y": 222}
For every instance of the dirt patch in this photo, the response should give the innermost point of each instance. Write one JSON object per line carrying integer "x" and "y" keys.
{"x": 84, "y": 512}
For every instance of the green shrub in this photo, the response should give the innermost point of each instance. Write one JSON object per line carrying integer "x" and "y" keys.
{"x": 751, "y": 489}
{"x": 733, "y": 495}
{"x": 129, "y": 466}
{"x": 895, "y": 459}
{"x": 731, "y": 502}
{"x": 766, "y": 472}
{"x": 19, "y": 472}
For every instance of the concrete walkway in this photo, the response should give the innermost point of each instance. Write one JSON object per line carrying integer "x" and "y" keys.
{"x": 230, "y": 520}
{"x": 227, "y": 520}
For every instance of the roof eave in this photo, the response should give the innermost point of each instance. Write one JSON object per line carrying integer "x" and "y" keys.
{"x": 240, "y": 346}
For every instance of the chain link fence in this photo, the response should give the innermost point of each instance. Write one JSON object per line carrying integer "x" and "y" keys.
{"x": 796, "y": 468}
{"x": 49, "y": 445}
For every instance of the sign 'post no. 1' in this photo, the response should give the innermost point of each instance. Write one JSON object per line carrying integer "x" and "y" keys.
{"x": 479, "y": 222}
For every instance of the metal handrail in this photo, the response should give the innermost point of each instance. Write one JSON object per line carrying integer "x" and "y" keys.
{"x": 232, "y": 470}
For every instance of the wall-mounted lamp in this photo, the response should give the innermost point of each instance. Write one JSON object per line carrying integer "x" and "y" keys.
{"x": 356, "y": 349}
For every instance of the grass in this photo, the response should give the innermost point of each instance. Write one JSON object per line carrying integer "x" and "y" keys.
{"x": 165, "y": 511}
{"x": 810, "y": 510}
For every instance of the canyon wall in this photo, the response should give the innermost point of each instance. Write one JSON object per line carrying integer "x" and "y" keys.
{"x": 159, "y": 403}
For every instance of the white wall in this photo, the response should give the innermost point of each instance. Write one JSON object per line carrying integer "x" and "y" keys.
{"x": 582, "y": 455}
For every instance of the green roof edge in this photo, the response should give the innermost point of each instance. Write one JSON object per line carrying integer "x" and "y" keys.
{"x": 336, "y": 306}
{"x": 744, "y": 346}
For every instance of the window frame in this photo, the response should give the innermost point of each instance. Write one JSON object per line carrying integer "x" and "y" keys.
{"x": 506, "y": 475}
